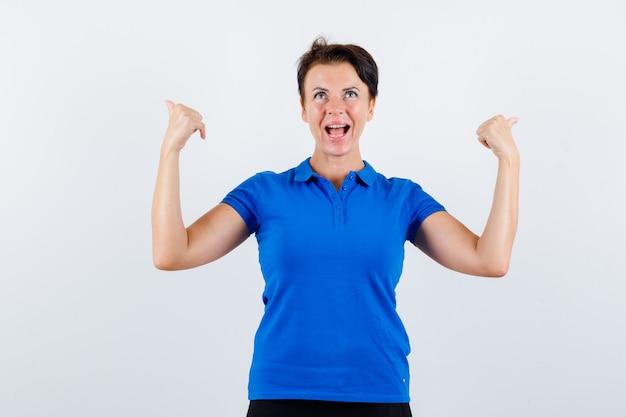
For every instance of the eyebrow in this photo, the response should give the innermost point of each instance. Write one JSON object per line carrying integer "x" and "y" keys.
{"x": 326, "y": 89}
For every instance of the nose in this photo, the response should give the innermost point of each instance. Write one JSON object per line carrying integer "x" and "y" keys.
{"x": 336, "y": 105}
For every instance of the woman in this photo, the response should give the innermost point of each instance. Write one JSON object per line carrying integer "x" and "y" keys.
{"x": 331, "y": 235}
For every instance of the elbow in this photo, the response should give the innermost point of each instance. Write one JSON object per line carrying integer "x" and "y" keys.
{"x": 164, "y": 262}
{"x": 498, "y": 273}
{"x": 497, "y": 270}
{"x": 493, "y": 268}
{"x": 161, "y": 265}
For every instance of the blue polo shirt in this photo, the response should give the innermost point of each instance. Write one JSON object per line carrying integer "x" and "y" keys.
{"x": 331, "y": 261}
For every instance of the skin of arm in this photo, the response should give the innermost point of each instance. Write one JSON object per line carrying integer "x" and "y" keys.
{"x": 175, "y": 247}
{"x": 450, "y": 243}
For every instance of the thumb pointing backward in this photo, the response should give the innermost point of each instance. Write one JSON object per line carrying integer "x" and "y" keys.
{"x": 512, "y": 121}
{"x": 170, "y": 105}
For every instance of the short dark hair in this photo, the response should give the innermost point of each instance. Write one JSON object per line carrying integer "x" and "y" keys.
{"x": 323, "y": 53}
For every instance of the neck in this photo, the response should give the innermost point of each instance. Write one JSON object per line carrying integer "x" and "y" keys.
{"x": 336, "y": 169}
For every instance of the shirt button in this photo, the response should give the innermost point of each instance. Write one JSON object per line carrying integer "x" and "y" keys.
{"x": 351, "y": 177}
{"x": 345, "y": 188}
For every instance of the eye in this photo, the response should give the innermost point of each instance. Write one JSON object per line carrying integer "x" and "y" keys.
{"x": 319, "y": 95}
{"x": 351, "y": 94}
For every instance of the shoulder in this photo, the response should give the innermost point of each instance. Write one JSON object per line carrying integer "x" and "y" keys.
{"x": 372, "y": 177}
{"x": 397, "y": 185}
{"x": 269, "y": 178}
{"x": 265, "y": 182}
{"x": 407, "y": 191}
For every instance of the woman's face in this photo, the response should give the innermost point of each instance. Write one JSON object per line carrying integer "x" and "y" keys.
{"x": 336, "y": 105}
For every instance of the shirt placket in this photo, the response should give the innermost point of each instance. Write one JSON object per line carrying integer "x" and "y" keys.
{"x": 339, "y": 197}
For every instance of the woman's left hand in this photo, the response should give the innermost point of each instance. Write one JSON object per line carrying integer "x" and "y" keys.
{"x": 449, "y": 242}
{"x": 496, "y": 135}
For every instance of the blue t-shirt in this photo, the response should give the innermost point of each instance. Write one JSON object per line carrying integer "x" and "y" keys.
{"x": 331, "y": 261}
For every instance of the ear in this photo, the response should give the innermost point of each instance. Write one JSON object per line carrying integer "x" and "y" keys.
{"x": 304, "y": 117}
{"x": 370, "y": 113}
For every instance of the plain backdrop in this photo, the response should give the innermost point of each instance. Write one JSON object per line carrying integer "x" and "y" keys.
{"x": 88, "y": 326}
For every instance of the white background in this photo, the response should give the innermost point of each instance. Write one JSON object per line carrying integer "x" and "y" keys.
{"x": 89, "y": 327}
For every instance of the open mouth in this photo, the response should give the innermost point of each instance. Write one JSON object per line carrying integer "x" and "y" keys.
{"x": 337, "y": 131}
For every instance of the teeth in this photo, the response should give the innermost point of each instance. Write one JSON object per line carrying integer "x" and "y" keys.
{"x": 336, "y": 126}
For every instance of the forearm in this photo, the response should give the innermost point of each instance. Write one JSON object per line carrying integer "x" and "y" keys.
{"x": 495, "y": 245}
{"x": 169, "y": 235}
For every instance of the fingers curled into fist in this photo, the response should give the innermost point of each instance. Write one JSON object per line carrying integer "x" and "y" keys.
{"x": 496, "y": 135}
{"x": 183, "y": 122}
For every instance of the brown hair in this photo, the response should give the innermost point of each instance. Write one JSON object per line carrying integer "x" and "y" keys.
{"x": 323, "y": 53}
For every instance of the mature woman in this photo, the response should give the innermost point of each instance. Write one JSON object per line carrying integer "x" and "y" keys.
{"x": 331, "y": 235}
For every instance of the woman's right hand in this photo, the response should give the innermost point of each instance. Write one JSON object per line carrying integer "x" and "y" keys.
{"x": 184, "y": 122}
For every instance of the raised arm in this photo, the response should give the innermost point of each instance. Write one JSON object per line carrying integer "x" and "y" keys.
{"x": 214, "y": 234}
{"x": 450, "y": 243}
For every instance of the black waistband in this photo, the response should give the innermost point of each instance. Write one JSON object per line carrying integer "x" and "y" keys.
{"x": 310, "y": 408}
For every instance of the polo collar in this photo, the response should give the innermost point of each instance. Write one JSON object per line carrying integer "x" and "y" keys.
{"x": 367, "y": 174}
{"x": 304, "y": 172}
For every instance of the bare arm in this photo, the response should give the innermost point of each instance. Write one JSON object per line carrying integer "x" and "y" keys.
{"x": 214, "y": 234}
{"x": 450, "y": 243}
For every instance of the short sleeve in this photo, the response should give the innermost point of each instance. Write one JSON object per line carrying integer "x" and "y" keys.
{"x": 421, "y": 205}
{"x": 244, "y": 199}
